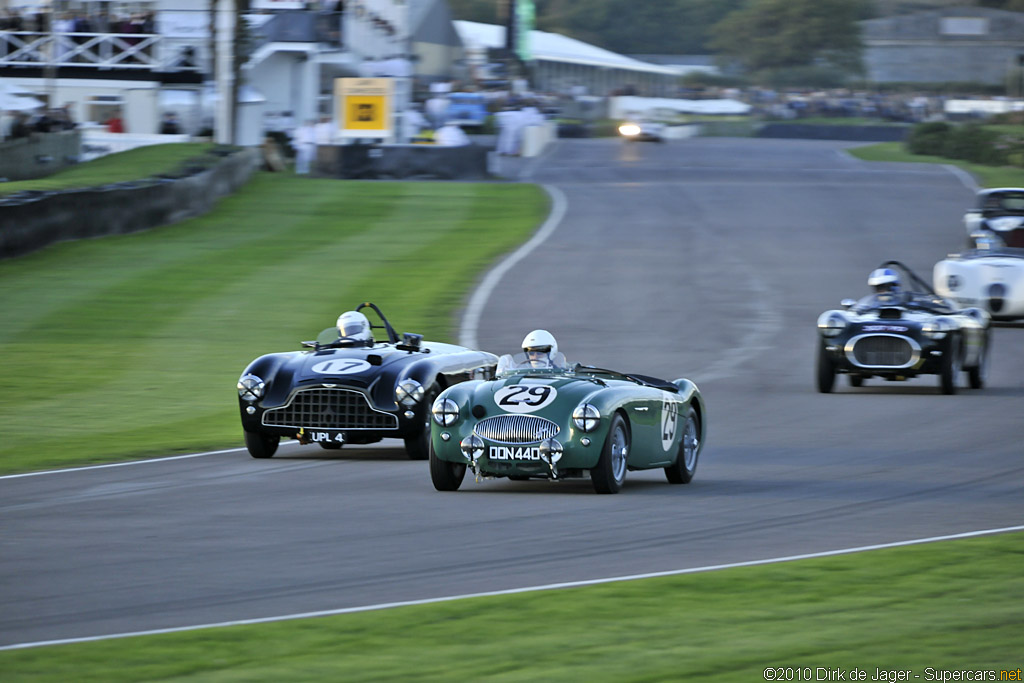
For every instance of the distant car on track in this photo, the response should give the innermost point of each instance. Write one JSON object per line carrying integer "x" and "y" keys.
{"x": 545, "y": 419}
{"x": 901, "y": 331}
{"x": 991, "y": 274}
{"x": 650, "y": 131}
{"x": 348, "y": 388}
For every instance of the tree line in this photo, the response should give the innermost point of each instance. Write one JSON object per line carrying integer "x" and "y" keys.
{"x": 755, "y": 36}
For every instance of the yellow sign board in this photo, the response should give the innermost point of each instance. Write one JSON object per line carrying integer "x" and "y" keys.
{"x": 364, "y": 106}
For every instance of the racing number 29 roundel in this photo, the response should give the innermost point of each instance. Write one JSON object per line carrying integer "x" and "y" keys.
{"x": 524, "y": 398}
{"x": 669, "y": 422}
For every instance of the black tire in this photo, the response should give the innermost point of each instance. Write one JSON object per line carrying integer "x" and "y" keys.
{"x": 447, "y": 476}
{"x": 418, "y": 447}
{"x": 261, "y": 445}
{"x": 949, "y": 372}
{"x": 610, "y": 472}
{"x": 826, "y": 370}
{"x": 979, "y": 373}
{"x": 856, "y": 380}
{"x": 685, "y": 466}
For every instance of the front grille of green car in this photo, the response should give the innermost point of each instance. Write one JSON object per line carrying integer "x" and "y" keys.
{"x": 322, "y": 408}
{"x": 517, "y": 429}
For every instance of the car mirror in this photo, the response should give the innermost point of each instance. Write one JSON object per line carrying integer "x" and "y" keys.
{"x": 848, "y": 303}
{"x": 410, "y": 342}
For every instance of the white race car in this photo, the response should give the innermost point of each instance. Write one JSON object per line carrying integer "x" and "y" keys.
{"x": 991, "y": 274}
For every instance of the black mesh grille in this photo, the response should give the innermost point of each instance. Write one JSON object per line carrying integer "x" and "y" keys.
{"x": 329, "y": 409}
{"x": 882, "y": 351}
{"x": 516, "y": 429}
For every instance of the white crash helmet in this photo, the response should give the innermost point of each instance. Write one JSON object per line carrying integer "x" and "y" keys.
{"x": 884, "y": 280}
{"x": 540, "y": 340}
{"x": 354, "y": 325}
{"x": 540, "y": 348}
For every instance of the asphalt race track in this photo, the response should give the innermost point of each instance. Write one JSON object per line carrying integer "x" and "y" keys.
{"x": 705, "y": 258}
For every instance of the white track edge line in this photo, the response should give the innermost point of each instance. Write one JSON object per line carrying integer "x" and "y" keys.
{"x": 514, "y": 591}
{"x": 477, "y": 302}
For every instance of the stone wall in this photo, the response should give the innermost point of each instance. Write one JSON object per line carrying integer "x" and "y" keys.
{"x": 35, "y": 219}
{"x": 420, "y": 162}
{"x": 40, "y": 155}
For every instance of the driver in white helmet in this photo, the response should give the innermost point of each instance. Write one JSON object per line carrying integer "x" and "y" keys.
{"x": 541, "y": 349}
{"x": 883, "y": 280}
{"x": 885, "y": 289}
{"x": 353, "y": 325}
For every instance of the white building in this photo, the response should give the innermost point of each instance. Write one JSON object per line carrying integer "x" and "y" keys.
{"x": 139, "y": 70}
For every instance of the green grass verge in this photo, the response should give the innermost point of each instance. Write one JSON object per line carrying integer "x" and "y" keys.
{"x": 987, "y": 176}
{"x": 950, "y": 606}
{"x": 131, "y": 345}
{"x": 142, "y": 162}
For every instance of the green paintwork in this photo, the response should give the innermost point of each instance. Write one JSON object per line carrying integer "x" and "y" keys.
{"x": 648, "y": 411}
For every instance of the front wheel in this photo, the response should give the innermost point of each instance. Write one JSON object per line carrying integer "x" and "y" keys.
{"x": 949, "y": 372}
{"x": 685, "y": 466}
{"x": 979, "y": 373}
{"x": 826, "y": 370}
{"x": 446, "y": 476}
{"x": 610, "y": 472}
{"x": 418, "y": 447}
{"x": 261, "y": 445}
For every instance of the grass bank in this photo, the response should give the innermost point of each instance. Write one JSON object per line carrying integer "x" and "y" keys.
{"x": 131, "y": 345}
{"x": 986, "y": 176}
{"x": 927, "y": 609}
{"x": 142, "y": 162}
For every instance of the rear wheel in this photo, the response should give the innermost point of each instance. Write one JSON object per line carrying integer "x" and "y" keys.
{"x": 826, "y": 370}
{"x": 685, "y": 466}
{"x": 261, "y": 445}
{"x": 949, "y": 372}
{"x": 418, "y": 447}
{"x": 446, "y": 476}
{"x": 610, "y": 471}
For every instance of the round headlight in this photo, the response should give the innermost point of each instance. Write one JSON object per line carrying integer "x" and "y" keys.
{"x": 445, "y": 412}
{"x": 936, "y": 329}
{"x": 409, "y": 392}
{"x": 550, "y": 451}
{"x": 586, "y": 417}
{"x": 629, "y": 129}
{"x": 251, "y": 388}
{"x": 831, "y": 323}
{"x": 472, "y": 447}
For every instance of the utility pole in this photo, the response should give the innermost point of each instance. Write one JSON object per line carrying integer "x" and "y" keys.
{"x": 224, "y": 74}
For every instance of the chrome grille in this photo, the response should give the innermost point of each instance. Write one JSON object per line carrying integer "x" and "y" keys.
{"x": 882, "y": 351}
{"x": 516, "y": 429}
{"x": 329, "y": 409}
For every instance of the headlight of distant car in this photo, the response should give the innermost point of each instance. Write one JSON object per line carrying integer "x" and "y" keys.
{"x": 629, "y": 129}
{"x": 409, "y": 392}
{"x": 251, "y": 388}
{"x": 1002, "y": 223}
{"x": 445, "y": 412}
{"x": 937, "y": 329}
{"x": 831, "y": 323}
{"x": 586, "y": 417}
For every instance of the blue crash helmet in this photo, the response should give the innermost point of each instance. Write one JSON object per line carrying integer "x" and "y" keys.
{"x": 884, "y": 280}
